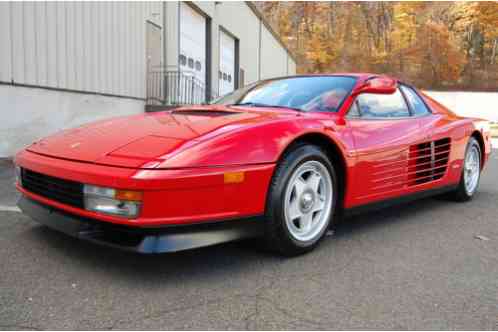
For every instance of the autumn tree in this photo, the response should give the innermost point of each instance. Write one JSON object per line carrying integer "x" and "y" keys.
{"x": 432, "y": 44}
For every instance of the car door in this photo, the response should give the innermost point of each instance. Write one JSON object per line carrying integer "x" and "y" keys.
{"x": 384, "y": 130}
{"x": 433, "y": 154}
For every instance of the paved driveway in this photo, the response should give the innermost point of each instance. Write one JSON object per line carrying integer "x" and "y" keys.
{"x": 419, "y": 266}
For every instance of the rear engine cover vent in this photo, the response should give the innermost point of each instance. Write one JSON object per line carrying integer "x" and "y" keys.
{"x": 428, "y": 161}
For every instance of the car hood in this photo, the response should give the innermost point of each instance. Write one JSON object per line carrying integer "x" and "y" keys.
{"x": 145, "y": 140}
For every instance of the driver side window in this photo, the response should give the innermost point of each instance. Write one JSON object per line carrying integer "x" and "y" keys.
{"x": 382, "y": 106}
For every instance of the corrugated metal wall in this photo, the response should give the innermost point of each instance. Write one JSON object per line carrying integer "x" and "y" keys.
{"x": 291, "y": 66}
{"x": 84, "y": 46}
{"x": 274, "y": 60}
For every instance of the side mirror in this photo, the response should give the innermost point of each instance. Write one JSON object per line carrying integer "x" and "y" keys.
{"x": 381, "y": 85}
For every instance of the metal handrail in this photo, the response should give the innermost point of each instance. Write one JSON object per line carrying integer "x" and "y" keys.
{"x": 175, "y": 87}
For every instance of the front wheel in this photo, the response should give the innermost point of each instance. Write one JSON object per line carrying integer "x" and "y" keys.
{"x": 471, "y": 172}
{"x": 301, "y": 201}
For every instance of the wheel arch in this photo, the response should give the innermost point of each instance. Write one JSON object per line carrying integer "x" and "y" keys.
{"x": 334, "y": 153}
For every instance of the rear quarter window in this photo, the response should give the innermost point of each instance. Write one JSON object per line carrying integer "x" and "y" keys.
{"x": 383, "y": 106}
{"x": 416, "y": 103}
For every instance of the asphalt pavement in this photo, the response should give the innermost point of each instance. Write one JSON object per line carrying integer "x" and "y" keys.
{"x": 431, "y": 264}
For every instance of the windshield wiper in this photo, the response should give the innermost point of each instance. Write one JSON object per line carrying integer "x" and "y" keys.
{"x": 250, "y": 104}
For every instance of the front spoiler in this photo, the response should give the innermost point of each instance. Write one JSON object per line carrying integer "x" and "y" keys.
{"x": 142, "y": 240}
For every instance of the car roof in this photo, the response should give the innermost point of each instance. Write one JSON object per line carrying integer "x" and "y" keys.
{"x": 361, "y": 76}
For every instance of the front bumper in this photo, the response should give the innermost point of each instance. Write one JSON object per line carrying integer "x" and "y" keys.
{"x": 147, "y": 241}
{"x": 170, "y": 196}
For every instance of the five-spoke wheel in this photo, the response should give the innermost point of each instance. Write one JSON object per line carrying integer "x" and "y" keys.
{"x": 471, "y": 172}
{"x": 301, "y": 200}
{"x": 308, "y": 199}
{"x": 472, "y": 169}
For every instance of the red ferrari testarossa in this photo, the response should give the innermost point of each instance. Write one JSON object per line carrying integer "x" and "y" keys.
{"x": 282, "y": 158}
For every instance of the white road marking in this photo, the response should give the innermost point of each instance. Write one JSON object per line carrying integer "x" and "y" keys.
{"x": 5, "y": 208}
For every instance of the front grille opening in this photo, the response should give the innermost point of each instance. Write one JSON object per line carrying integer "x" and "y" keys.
{"x": 56, "y": 189}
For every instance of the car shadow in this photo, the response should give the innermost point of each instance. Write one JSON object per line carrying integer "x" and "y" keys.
{"x": 219, "y": 260}
{"x": 212, "y": 262}
{"x": 388, "y": 217}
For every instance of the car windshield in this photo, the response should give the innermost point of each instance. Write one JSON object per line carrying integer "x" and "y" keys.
{"x": 306, "y": 93}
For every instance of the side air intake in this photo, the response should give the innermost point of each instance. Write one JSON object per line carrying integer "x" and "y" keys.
{"x": 428, "y": 161}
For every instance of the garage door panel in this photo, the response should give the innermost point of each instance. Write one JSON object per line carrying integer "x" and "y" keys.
{"x": 226, "y": 75}
{"x": 193, "y": 43}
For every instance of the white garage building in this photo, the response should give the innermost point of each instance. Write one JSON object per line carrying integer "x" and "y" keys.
{"x": 66, "y": 63}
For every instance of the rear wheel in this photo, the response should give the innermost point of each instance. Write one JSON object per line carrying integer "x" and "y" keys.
{"x": 471, "y": 172}
{"x": 301, "y": 201}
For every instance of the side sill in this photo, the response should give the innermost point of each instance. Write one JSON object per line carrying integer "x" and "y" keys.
{"x": 356, "y": 210}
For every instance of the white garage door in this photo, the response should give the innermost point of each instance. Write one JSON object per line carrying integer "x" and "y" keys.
{"x": 192, "y": 59}
{"x": 226, "y": 74}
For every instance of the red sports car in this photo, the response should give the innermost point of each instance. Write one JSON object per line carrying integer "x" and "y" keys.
{"x": 282, "y": 158}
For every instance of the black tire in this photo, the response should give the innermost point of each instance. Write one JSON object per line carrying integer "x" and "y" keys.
{"x": 277, "y": 235}
{"x": 460, "y": 194}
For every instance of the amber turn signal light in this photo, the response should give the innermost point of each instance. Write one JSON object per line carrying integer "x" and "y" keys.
{"x": 128, "y": 195}
{"x": 234, "y": 177}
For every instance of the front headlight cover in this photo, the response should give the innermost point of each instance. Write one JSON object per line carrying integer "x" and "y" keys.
{"x": 90, "y": 190}
{"x": 103, "y": 200}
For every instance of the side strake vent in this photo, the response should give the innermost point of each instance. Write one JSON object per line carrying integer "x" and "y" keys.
{"x": 428, "y": 161}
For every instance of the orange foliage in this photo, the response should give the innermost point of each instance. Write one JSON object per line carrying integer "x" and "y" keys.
{"x": 445, "y": 45}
